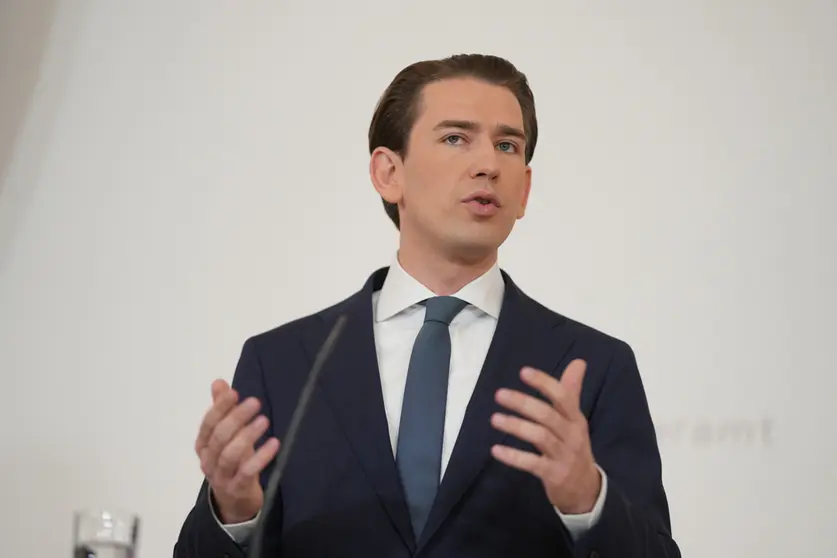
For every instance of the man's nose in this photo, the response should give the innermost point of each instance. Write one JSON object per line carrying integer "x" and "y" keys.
{"x": 486, "y": 161}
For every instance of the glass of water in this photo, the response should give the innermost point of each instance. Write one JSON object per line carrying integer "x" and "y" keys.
{"x": 104, "y": 534}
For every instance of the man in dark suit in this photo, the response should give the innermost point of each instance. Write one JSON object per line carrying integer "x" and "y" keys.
{"x": 457, "y": 417}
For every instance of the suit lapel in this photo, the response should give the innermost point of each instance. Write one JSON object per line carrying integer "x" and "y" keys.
{"x": 524, "y": 337}
{"x": 352, "y": 384}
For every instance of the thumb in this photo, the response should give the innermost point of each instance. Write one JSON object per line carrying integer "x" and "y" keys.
{"x": 573, "y": 377}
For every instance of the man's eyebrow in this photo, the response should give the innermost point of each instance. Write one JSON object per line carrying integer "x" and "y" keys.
{"x": 502, "y": 129}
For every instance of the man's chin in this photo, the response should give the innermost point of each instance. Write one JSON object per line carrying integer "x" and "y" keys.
{"x": 474, "y": 249}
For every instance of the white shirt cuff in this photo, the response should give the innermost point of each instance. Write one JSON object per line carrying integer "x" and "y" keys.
{"x": 579, "y": 524}
{"x": 239, "y": 532}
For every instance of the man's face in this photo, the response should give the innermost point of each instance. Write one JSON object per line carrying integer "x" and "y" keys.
{"x": 464, "y": 180}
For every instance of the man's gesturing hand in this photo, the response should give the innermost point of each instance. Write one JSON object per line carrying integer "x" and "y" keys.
{"x": 559, "y": 431}
{"x": 226, "y": 447}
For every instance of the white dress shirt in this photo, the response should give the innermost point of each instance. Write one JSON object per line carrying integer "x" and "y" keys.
{"x": 398, "y": 317}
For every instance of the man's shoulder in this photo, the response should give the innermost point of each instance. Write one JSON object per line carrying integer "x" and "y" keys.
{"x": 582, "y": 333}
{"x": 312, "y": 324}
{"x": 606, "y": 355}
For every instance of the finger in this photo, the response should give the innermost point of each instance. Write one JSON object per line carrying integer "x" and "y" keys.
{"x": 537, "y": 435}
{"x": 573, "y": 378}
{"x": 208, "y": 467}
{"x": 552, "y": 389}
{"x": 219, "y": 387}
{"x": 521, "y": 460}
{"x": 534, "y": 409}
{"x": 213, "y": 416}
{"x": 229, "y": 426}
{"x": 240, "y": 446}
{"x": 256, "y": 463}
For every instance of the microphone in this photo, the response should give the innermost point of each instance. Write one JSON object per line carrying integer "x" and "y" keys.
{"x": 257, "y": 542}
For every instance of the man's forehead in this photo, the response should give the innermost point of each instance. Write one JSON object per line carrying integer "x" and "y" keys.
{"x": 468, "y": 99}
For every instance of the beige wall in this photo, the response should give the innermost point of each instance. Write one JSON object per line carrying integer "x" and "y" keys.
{"x": 24, "y": 31}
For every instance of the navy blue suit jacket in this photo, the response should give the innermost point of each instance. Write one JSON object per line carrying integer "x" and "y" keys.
{"x": 341, "y": 494}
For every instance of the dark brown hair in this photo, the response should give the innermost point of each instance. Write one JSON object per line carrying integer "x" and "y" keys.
{"x": 397, "y": 108}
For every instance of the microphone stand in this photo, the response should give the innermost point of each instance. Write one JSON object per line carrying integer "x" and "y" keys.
{"x": 255, "y": 550}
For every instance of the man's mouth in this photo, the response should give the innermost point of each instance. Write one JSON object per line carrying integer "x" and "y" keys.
{"x": 483, "y": 198}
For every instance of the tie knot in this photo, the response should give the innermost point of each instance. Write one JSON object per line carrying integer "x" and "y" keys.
{"x": 443, "y": 309}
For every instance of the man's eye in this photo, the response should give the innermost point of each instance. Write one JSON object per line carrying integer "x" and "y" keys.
{"x": 452, "y": 139}
{"x": 507, "y": 146}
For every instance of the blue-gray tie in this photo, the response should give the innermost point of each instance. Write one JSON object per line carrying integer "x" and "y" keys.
{"x": 419, "y": 450}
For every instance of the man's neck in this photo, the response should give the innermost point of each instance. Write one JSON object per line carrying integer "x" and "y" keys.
{"x": 442, "y": 274}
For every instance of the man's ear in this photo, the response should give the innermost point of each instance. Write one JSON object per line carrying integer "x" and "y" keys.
{"x": 521, "y": 211}
{"x": 385, "y": 171}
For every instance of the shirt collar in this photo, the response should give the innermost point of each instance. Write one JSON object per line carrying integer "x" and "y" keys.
{"x": 401, "y": 291}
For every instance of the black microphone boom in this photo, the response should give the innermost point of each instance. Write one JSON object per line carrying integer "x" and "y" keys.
{"x": 257, "y": 541}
